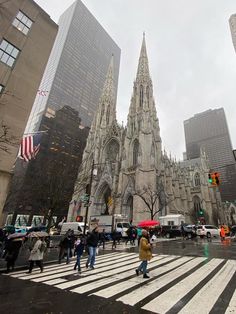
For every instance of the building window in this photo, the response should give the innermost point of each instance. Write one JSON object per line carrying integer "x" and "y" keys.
{"x": 1, "y": 89}
{"x": 197, "y": 180}
{"x": 135, "y": 153}
{"x": 22, "y": 23}
{"x": 8, "y": 53}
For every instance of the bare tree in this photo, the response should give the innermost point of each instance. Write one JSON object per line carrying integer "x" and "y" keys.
{"x": 7, "y": 140}
{"x": 154, "y": 199}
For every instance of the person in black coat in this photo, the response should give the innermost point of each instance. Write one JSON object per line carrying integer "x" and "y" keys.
{"x": 79, "y": 249}
{"x": 102, "y": 239}
{"x": 11, "y": 253}
{"x": 66, "y": 244}
{"x": 92, "y": 243}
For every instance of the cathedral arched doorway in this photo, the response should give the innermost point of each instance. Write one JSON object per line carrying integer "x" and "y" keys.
{"x": 103, "y": 200}
{"x": 107, "y": 201}
{"x": 127, "y": 207}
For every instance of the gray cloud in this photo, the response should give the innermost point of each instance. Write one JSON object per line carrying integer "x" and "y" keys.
{"x": 191, "y": 57}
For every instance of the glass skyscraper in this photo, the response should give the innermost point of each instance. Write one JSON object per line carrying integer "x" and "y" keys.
{"x": 71, "y": 87}
{"x": 76, "y": 69}
{"x": 209, "y": 130}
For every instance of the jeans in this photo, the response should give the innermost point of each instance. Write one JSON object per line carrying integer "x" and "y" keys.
{"x": 143, "y": 266}
{"x": 92, "y": 254}
{"x": 78, "y": 262}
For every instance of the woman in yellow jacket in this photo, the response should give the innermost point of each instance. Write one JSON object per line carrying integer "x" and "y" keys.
{"x": 145, "y": 254}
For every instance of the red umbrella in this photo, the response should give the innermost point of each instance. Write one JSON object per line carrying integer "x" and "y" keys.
{"x": 148, "y": 223}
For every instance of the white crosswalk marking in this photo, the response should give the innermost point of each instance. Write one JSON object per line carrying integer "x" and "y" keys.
{"x": 166, "y": 300}
{"x": 102, "y": 282}
{"x": 115, "y": 289}
{"x": 197, "y": 282}
{"x": 212, "y": 289}
{"x": 94, "y": 276}
{"x": 232, "y": 305}
{"x": 140, "y": 293}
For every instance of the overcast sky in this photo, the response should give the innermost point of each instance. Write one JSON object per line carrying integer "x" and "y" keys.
{"x": 191, "y": 56}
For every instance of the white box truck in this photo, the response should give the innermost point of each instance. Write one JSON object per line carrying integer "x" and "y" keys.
{"x": 109, "y": 223}
{"x": 172, "y": 220}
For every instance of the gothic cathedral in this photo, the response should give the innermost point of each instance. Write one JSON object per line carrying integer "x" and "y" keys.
{"x": 125, "y": 170}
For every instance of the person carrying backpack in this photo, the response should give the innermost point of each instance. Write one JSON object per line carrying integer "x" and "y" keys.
{"x": 36, "y": 254}
{"x": 79, "y": 249}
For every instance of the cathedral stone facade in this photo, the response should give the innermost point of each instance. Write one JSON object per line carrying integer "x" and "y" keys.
{"x": 125, "y": 170}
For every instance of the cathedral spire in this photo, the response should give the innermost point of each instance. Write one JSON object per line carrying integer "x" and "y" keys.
{"x": 143, "y": 68}
{"x": 106, "y": 112}
{"x": 108, "y": 88}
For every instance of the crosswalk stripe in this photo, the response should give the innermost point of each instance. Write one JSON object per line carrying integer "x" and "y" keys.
{"x": 122, "y": 286}
{"x": 73, "y": 259}
{"x": 232, "y": 305}
{"x": 118, "y": 276}
{"x": 106, "y": 266}
{"x": 212, "y": 289}
{"x": 68, "y": 267}
{"x": 138, "y": 294}
{"x": 169, "y": 298}
{"x": 97, "y": 274}
{"x": 55, "y": 281}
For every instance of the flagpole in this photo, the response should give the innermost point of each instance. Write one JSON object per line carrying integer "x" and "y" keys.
{"x": 88, "y": 201}
{"x": 36, "y": 132}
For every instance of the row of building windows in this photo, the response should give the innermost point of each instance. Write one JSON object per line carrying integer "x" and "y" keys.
{"x": 8, "y": 52}
{"x": 22, "y": 23}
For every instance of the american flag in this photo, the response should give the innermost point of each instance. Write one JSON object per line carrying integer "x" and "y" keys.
{"x": 29, "y": 147}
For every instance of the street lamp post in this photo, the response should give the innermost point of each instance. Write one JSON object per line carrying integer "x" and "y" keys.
{"x": 88, "y": 201}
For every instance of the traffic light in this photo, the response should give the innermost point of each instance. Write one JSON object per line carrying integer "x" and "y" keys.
{"x": 217, "y": 179}
{"x": 209, "y": 178}
{"x": 213, "y": 178}
{"x": 200, "y": 213}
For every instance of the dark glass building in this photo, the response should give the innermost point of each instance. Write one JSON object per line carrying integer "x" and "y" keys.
{"x": 209, "y": 130}
{"x": 65, "y": 104}
{"x": 77, "y": 67}
{"x": 43, "y": 188}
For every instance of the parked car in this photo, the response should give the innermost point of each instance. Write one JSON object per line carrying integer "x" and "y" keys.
{"x": 175, "y": 231}
{"x": 233, "y": 231}
{"x": 208, "y": 231}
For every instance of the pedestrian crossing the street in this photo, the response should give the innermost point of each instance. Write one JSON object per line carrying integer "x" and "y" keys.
{"x": 177, "y": 284}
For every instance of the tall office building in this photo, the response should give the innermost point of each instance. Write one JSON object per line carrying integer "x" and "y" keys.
{"x": 232, "y": 24}
{"x": 73, "y": 79}
{"x": 27, "y": 34}
{"x": 77, "y": 67}
{"x": 209, "y": 130}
